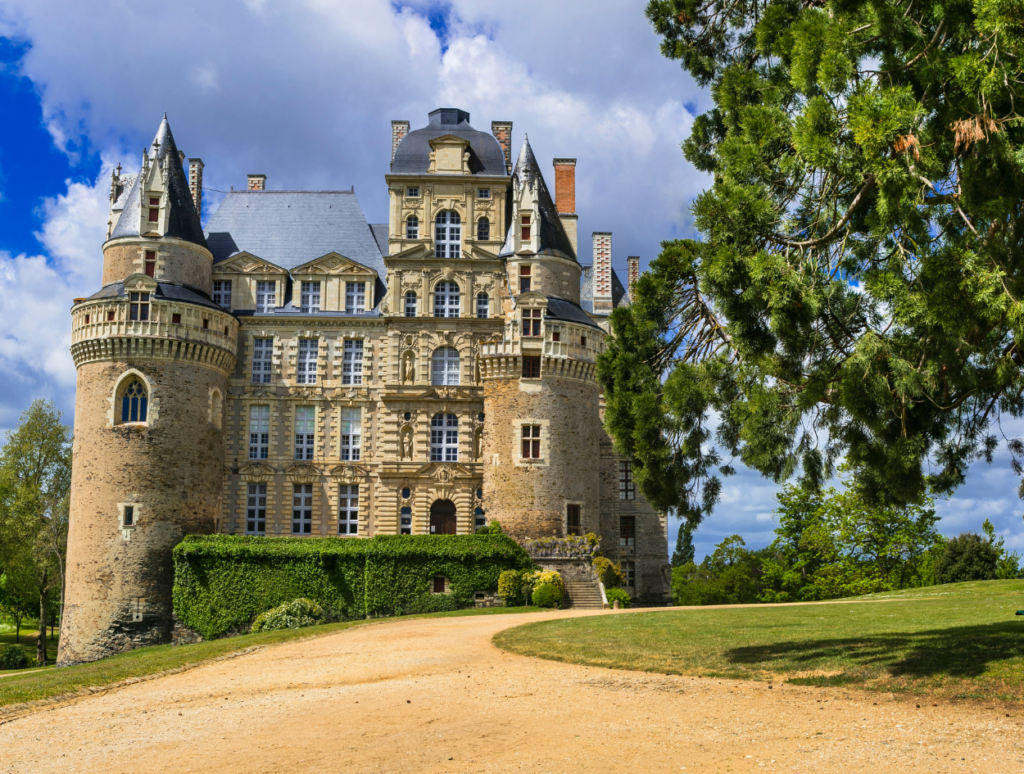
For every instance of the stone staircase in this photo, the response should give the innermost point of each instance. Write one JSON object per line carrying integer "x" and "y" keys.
{"x": 584, "y": 595}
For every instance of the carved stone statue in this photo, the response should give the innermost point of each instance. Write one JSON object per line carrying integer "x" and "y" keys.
{"x": 408, "y": 369}
{"x": 406, "y": 444}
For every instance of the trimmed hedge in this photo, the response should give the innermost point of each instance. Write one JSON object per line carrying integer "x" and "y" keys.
{"x": 222, "y": 582}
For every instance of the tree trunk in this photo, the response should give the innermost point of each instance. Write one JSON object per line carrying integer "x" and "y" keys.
{"x": 41, "y": 642}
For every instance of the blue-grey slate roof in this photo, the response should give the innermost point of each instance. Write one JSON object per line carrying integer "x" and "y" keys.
{"x": 587, "y": 290}
{"x": 182, "y": 220}
{"x": 560, "y": 309}
{"x": 291, "y": 228}
{"x": 380, "y": 234}
{"x": 168, "y": 291}
{"x": 412, "y": 157}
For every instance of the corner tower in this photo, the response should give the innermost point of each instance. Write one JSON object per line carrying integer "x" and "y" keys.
{"x": 153, "y": 353}
{"x": 541, "y": 398}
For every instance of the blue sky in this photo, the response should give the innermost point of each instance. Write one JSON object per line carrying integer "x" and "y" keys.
{"x": 304, "y": 92}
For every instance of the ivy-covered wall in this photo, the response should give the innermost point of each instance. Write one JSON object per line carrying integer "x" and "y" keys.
{"x": 222, "y": 582}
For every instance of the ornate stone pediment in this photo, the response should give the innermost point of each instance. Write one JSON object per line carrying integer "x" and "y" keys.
{"x": 446, "y": 393}
{"x": 443, "y": 472}
{"x": 348, "y": 473}
{"x": 309, "y": 393}
{"x": 257, "y": 392}
{"x": 140, "y": 283}
{"x": 246, "y": 263}
{"x": 332, "y": 263}
{"x": 256, "y": 471}
{"x": 303, "y": 473}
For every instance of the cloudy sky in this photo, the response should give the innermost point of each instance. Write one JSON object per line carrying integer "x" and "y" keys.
{"x": 304, "y": 92}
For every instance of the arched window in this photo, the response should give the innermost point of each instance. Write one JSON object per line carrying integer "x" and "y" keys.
{"x": 444, "y": 438}
{"x": 483, "y": 229}
{"x": 446, "y": 300}
{"x": 412, "y": 227}
{"x": 410, "y": 304}
{"x": 445, "y": 366}
{"x": 447, "y": 234}
{"x": 134, "y": 402}
{"x": 483, "y": 306}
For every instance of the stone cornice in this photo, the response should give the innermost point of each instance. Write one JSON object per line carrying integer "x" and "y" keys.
{"x": 122, "y": 348}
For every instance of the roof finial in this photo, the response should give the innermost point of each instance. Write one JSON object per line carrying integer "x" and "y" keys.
{"x": 165, "y": 115}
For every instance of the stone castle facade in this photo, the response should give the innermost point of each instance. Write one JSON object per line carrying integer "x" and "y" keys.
{"x": 294, "y": 370}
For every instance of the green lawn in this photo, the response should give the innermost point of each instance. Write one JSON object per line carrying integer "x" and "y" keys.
{"x": 49, "y": 682}
{"x": 956, "y": 641}
{"x": 28, "y": 640}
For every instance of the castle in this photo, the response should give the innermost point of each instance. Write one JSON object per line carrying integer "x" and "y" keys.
{"x": 294, "y": 370}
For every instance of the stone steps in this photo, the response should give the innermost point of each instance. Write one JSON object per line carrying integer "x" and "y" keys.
{"x": 583, "y": 596}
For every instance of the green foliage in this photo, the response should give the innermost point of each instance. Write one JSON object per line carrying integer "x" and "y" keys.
{"x": 1008, "y": 565}
{"x": 222, "y": 582}
{"x": 619, "y": 594}
{"x": 494, "y": 528}
{"x": 13, "y": 657}
{"x": 684, "y": 552}
{"x": 968, "y": 557}
{"x": 434, "y": 603}
{"x": 608, "y": 573}
{"x": 856, "y": 293}
{"x": 548, "y": 595}
{"x": 510, "y": 587}
{"x": 289, "y": 615}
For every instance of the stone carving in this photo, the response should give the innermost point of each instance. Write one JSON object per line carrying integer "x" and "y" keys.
{"x": 408, "y": 368}
{"x": 406, "y": 443}
{"x": 444, "y": 475}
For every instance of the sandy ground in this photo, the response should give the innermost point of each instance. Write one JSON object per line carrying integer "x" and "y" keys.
{"x": 433, "y": 695}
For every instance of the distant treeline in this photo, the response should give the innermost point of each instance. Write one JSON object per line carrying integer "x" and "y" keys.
{"x": 832, "y": 544}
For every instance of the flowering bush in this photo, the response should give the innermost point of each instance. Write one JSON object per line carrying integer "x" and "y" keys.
{"x": 544, "y": 578}
{"x": 291, "y": 615}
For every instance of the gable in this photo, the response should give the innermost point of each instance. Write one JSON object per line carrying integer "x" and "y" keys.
{"x": 333, "y": 264}
{"x": 246, "y": 263}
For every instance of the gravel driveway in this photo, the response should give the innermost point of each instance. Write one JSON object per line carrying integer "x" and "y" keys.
{"x": 433, "y": 695}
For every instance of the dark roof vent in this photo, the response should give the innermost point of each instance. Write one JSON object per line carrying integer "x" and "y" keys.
{"x": 449, "y": 117}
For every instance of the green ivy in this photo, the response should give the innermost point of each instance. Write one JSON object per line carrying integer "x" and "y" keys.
{"x": 222, "y": 582}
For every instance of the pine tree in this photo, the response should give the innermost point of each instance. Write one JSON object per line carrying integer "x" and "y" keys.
{"x": 684, "y": 552}
{"x": 858, "y": 290}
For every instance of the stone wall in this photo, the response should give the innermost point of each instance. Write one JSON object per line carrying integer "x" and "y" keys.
{"x": 530, "y": 497}
{"x": 176, "y": 261}
{"x": 170, "y": 470}
{"x": 549, "y": 275}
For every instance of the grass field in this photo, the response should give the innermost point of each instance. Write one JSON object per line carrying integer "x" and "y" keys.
{"x": 49, "y": 682}
{"x": 960, "y": 641}
{"x": 28, "y": 640}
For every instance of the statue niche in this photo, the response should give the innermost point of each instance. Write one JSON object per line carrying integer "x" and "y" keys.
{"x": 405, "y": 443}
{"x": 408, "y": 368}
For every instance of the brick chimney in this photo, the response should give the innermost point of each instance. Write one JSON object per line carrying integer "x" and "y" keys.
{"x": 195, "y": 183}
{"x": 398, "y": 130}
{"x": 632, "y": 274}
{"x": 502, "y": 130}
{"x": 565, "y": 198}
{"x": 602, "y": 272}
{"x": 257, "y": 182}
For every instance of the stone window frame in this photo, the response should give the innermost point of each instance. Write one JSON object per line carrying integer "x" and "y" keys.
{"x": 483, "y": 229}
{"x": 354, "y": 291}
{"x": 445, "y": 358}
{"x": 216, "y": 415}
{"x": 545, "y": 443}
{"x": 255, "y": 507}
{"x": 411, "y": 303}
{"x": 628, "y": 567}
{"x": 310, "y": 291}
{"x": 483, "y": 304}
{"x": 269, "y": 354}
{"x": 114, "y": 409}
{"x": 264, "y": 309}
{"x": 304, "y": 450}
{"x": 126, "y": 529}
{"x": 219, "y": 293}
{"x": 345, "y": 498}
{"x": 565, "y": 516}
{"x": 448, "y": 295}
{"x": 353, "y": 450}
{"x": 412, "y": 227}
{"x": 351, "y": 345}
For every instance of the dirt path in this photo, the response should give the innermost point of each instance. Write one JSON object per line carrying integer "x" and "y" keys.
{"x": 433, "y": 695}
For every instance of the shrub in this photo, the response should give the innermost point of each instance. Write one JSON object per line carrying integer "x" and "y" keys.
{"x": 542, "y": 577}
{"x": 291, "y": 615}
{"x": 494, "y": 528}
{"x": 608, "y": 573}
{"x": 510, "y": 587}
{"x": 548, "y": 595}
{"x": 968, "y": 557}
{"x": 222, "y": 582}
{"x": 618, "y": 594}
{"x": 13, "y": 657}
{"x": 434, "y": 603}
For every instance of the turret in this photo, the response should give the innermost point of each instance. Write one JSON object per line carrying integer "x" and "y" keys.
{"x": 152, "y": 353}
{"x": 541, "y": 398}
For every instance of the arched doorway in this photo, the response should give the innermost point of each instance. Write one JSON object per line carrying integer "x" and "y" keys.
{"x": 442, "y": 518}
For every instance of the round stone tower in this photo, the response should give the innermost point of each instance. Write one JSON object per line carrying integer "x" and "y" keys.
{"x": 153, "y": 353}
{"x": 542, "y": 430}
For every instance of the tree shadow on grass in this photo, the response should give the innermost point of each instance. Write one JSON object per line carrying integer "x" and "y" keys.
{"x": 957, "y": 652}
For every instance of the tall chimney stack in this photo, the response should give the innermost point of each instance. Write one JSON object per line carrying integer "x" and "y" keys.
{"x": 502, "y": 130}
{"x": 632, "y": 275}
{"x": 398, "y": 130}
{"x": 257, "y": 182}
{"x": 565, "y": 197}
{"x": 195, "y": 183}
{"x": 602, "y": 272}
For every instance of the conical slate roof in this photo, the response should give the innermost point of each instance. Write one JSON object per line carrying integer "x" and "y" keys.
{"x": 553, "y": 239}
{"x": 182, "y": 219}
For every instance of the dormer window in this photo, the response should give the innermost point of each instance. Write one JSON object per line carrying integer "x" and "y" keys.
{"x": 310, "y": 297}
{"x": 154, "y": 209}
{"x": 222, "y": 294}
{"x": 483, "y": 193}
{"x": 413, "y": 192}
{"x": 355, "y": 297}
{"x": 139, "y": 309}
{"x": 524, "y": 279}
{"x": 265, "y": 292}
{"x": 525, "y": 235}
